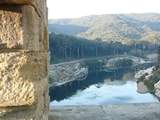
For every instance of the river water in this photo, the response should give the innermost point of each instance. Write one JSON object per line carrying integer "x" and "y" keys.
{"x": 118, "y": 87}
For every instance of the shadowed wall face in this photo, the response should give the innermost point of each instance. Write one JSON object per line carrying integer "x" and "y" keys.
{"x": 23, "y": 60}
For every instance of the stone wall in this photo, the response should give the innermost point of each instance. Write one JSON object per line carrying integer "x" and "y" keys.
{"x": 23, "y": 60}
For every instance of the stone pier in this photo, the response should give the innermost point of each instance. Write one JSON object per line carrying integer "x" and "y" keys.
{"x": 23, "y": 60}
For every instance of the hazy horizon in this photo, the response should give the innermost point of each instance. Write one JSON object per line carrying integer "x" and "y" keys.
{"x": 60, "y": 9}
{"x": 103, "y": 14}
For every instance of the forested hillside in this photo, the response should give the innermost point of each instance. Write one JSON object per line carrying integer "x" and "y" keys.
{"x": 125, "y": 28}
{"x": 66, "y": 48}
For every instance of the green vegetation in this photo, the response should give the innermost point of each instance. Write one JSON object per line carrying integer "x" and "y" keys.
{"x": 94, "y": 65}
{"x": 123, "y": 63}
{"x": 104, "y": 35}
{"x": 50, "y": 80}
{"x": 67, "y": 48}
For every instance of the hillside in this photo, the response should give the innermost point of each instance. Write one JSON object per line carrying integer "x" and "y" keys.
{"x": 125, "y": 28}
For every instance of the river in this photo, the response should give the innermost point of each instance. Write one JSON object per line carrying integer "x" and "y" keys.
{"x": 118, "y": 87}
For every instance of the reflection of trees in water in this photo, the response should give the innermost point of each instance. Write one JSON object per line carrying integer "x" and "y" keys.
{"x": 121, "y": 74}
{"x": 61, "y": 92}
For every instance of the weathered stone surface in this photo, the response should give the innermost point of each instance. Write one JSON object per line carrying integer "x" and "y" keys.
{"x": 21, "y": 28}
{"x": 157, "y": 89}
{"x": 34, "y": 30}
{"x": 157, "y": 85}
{"x": 10, "y": 27}
{"x": 16, "y": 1}
{"x": 39, "y": 5}
{"x": 23, "y": 60}
{"x": 21, "y": 76}
{"x": 38, "y": 111}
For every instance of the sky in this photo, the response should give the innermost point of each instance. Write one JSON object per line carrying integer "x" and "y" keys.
{"x": 77, "y": 8}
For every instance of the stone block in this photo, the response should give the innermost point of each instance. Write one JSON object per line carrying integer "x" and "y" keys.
{"x": 39, "y": 5}
{"x": 21, "y": 28}
{"x": 23, "y": 77}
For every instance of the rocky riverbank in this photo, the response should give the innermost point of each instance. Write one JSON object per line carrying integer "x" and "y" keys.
{"x": 60, "y": 74}
{"x": 157, "y": 89}
{"x": 149, "y": 81}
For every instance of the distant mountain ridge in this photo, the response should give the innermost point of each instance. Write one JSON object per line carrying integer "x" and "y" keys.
{"x": 125, "y": 28}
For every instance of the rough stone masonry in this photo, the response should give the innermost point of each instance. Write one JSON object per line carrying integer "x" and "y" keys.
{"x": 23, "y": 60}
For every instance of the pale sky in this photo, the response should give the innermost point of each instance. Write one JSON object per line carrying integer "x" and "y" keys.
{"x": 78, "y": 8}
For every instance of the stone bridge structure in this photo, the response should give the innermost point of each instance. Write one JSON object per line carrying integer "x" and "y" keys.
{"x": 23, "y": 60}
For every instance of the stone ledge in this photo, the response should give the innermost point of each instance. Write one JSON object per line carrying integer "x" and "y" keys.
{"x": 24, "y": 113}
{"x": 22, "y": 78}
{"x": 148, "y": 111}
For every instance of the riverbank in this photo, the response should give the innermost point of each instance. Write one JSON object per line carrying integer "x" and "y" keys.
{"x": 63, "y": 73}
{"x": 149, "y": 81}
{"x": 60, "y": 74}
{"x": 149, "y": 111}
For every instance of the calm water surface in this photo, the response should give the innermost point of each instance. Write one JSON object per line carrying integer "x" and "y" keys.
{"x": 118, "y": 87}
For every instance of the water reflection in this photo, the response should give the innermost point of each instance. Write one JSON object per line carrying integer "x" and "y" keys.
{"x": 101, "y": 88}
{"x": 107, "y": 94}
